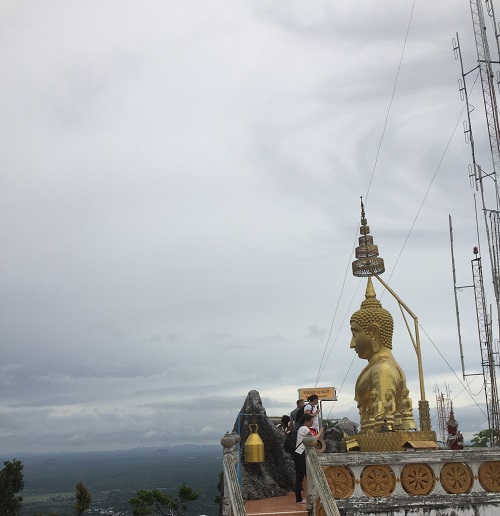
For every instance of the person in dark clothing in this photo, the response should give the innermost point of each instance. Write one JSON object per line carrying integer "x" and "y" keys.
{"x": 294, "y": 424}
{"x": 284, "y": 426}
{"x": 299, "y": 456}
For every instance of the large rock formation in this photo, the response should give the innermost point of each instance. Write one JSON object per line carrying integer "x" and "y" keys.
{"x": 275, "y": 476}
{"x": 333, "y": 437}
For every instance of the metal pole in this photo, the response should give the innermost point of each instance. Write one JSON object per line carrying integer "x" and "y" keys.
{"x": 423, "y": 405}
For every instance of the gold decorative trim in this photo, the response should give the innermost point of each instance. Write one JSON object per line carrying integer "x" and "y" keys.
{"x": 489, "y": 476}
{"x": 417, "y": 479}
{"x": 456, "y": 478}
{"x": 378, "y": 480}
{"x": 341, "y": 481}
{"x": 391, "y": 441}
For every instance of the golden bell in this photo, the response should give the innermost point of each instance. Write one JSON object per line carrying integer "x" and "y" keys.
{"x": 254, "y": 446}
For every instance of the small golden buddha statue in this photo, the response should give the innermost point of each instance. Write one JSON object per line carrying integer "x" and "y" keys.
{"x": 389, "y": 408}
{"x": 376, "y": 416}
{"x": 407, "y": 411}
{"x": 377, "y": 408}
{"x": 372, "y": 328}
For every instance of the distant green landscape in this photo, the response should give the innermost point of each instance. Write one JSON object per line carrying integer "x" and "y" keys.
{"x": 113, "y": 478}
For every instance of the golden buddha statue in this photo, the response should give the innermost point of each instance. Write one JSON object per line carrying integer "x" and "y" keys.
{"x": 389, "y": 408}
{"x": 372, "y": 327}
{"x": 407, "y": 411}
{"x": 377, "y": 407}
{"x": 376, "y": 412}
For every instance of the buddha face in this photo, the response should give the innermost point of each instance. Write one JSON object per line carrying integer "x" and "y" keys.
{"x": 361, "y": 342}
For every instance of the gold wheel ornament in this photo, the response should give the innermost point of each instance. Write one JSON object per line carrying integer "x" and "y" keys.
{"x": 378, "y": 480}
{"x": 456, "y": 478}
{"x": 340, "y": 480}
{"x": 489, "y": 476}
{"x": 417, "y": 479}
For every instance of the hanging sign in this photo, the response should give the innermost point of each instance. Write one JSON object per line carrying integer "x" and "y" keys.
{"x": 323, "y": 393}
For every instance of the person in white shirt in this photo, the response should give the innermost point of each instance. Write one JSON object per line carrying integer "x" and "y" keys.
{"x": 299, "y": 456}
{"x": 312, "y": 408}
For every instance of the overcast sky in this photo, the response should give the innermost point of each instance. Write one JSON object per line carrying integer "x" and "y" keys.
{"x": 179, "y": 205}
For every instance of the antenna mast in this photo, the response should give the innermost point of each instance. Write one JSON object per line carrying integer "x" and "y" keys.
{"x": 491, "y": 217}
{"x": 443, "y": 410}
{"x": 487, "y": 356}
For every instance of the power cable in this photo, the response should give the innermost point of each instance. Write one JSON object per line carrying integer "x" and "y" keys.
{"x": 390, "y": 103}
{"x": 321, "y": 363}
{"x": 321, "y": 366}
{"x": 340, "y": 329}
{"x": 428, "y": 189}
{"x": 453, "y": 371}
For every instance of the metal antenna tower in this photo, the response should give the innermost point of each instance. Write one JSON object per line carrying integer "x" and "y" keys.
{"x": 443, "y": 410}
{"x": 487, "y": 355}
{"x": 491, "y": 216}
{"x": 486, "y": 73}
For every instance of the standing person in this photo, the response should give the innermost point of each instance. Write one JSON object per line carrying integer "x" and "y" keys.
{"x": 293, "y": 414}
{"x": 312, "y": 408}
{"x": 299, "y": 456}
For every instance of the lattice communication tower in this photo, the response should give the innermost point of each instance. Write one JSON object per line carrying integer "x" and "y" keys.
{"x": 487, "y": 184}
{"x": 443, "y": 404}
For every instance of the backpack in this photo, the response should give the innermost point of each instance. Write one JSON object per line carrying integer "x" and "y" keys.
{"x": 290, "y": 444}
{"x": 299, "y": 414}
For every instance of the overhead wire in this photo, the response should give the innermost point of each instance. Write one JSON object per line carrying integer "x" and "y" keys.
{"x": 453, "y": 371}
{"x": 390, "y": 103}
{"x": 324, "y": 360}
{"x": 464, "y": 388}
{"x": 322, "y": 363}
{"x": 428, "y": 189}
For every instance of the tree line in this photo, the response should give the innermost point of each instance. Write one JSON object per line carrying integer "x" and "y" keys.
{"x": 146, "y": 502}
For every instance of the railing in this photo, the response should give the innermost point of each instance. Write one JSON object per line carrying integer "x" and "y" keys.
{"x": 318, "y": 489}
{"x": 232, "y": 487}
{"x": 413, "y": 481}
{"x": 317, "y": 485}
{"x": 423, "y": 481}
{"x": 232, "y": 500}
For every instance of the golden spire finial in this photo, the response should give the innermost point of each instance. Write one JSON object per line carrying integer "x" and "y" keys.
{"x": 368, "y": 263}
{"x": 370, "y": 291}
{"x": 370, "y": 300}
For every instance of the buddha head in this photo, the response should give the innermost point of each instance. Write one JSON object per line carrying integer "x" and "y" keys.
{"x": 372, "y": 320}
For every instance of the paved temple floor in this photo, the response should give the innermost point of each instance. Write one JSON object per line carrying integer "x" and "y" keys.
{"x": 277, "y": 506}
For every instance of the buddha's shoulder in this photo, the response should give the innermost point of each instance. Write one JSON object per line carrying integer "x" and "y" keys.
{"x": 385, "y": 364}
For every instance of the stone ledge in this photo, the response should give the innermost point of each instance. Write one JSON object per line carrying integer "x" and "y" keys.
{"x": 408, "y": 457}
{"x": 415, "y": 502}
